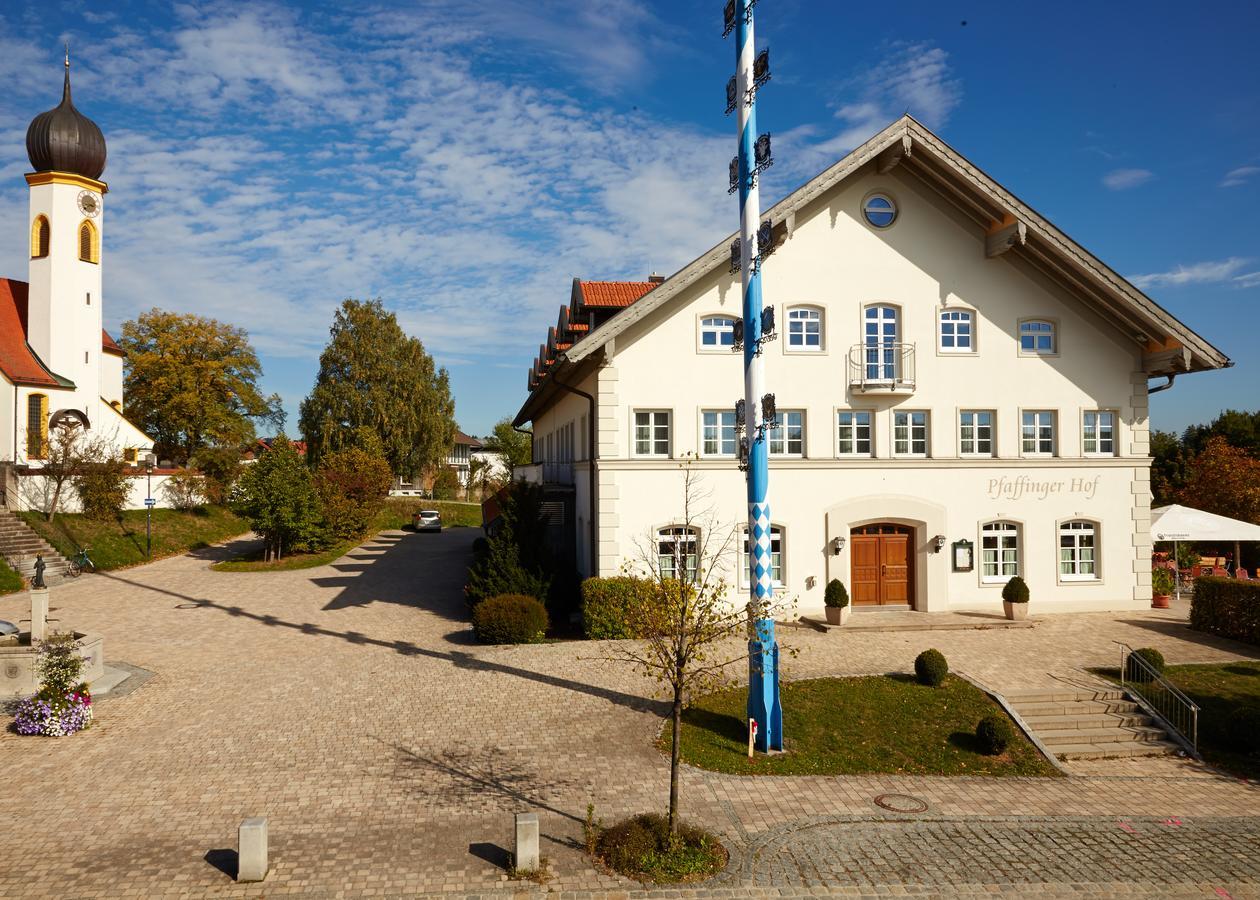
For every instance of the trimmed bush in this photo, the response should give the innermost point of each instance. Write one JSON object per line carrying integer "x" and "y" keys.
{"x": 103, "y": 488}
{"x": 607, "y": 602}
{"x": 1015, "y": 591}
{"x": 1228, "y": 607}
{"x": 510, "y": 619}
{"x": 930, "y": 667}
{"x": 994, "y": 734}
{"x": 1243, "y": 731}
{"x": 1151, "y": 656}
{"x": 836, "y": 596}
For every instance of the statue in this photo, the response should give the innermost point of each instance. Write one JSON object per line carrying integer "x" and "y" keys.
{"x": 40, "y": 566}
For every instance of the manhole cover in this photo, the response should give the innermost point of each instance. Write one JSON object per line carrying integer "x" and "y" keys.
{"x": 902, "y": 803}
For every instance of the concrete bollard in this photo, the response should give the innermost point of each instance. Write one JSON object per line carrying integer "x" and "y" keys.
{"x": 525, "y": 858}
{"x": 39, "y": 614}
{"x": 251, "y": 850}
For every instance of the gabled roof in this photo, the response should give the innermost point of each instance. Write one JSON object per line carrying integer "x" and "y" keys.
{"x": 109, "y": 345}
{"x": 616, "y": 294}
{"x": 1009, "y": 225}
{"x": 469, "y": 440}
{"x": 18, "y": 361}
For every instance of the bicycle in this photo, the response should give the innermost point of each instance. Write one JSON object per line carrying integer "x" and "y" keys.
{"x": 76, "y": 564}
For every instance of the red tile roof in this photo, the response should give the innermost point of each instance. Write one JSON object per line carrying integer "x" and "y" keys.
{"x": 109, "y": 345}
{"x": 17, "y": 361}
{"x": 616, "y": 294}
{"x": 461, "y": 438}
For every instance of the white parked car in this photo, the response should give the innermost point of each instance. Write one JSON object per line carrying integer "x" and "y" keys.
{"x": 427, "y": 520}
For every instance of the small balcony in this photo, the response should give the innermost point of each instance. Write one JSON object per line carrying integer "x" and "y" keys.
{"x": 882, "y": 368}
{"x": 545, "y": 473}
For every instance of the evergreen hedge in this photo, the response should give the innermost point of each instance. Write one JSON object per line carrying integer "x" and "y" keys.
{"x": 1228, "y": 607}
{"x": 607, "y": 601}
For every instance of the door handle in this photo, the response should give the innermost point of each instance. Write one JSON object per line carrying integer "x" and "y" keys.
{"x": 883, "y": 570}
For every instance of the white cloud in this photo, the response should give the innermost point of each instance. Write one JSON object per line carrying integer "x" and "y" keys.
{"x": 1241, "y": 175}
{"x": 1214, "y": 272}
{"x": 1123, "y": 179}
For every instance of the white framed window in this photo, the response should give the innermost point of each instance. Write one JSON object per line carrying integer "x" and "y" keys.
{"x": 776, "y": 557}
{"x": 717, "y": 432}
{"x": 999, "y": 552}
{"x": 910, "y": 432}
{"x": 879, "y": 210}
{"x": 788, "y": 437}
{"x": 717, "y": 333}
{"x": 805, "y": 329}
{"x": 651, "y": 432}
{"x": 1038, "y": 337}
{"x": 1037, "y": 432}
{"x": 1099, "y": 432}
{"x": 677, "y": 552}
{"x": 957, "y": 331}
{"x": 853, "y": 433}
{"x": 975, "y": 432}
{"x": 1078, "y": 551}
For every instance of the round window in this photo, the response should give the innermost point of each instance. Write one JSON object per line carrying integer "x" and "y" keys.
{"x": 879, "y": 210}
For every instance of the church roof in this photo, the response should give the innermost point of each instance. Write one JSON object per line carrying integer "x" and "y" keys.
{"x": 18, "y": 361}
{"x": 64, "y": 140}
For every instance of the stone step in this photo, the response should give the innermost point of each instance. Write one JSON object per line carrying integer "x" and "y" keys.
{"x": 1116, "y": 751}
{"x": 1017, "y": 698}
{"x": 1069, "y": 707}
{"x": 1085, "y": 720}
{"x": 1113, "y": 735}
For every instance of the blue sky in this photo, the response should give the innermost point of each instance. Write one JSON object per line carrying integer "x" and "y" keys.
{"x": 464, "y": 161}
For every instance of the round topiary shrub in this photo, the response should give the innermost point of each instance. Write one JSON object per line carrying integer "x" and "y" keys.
{"x": 509, "y": 619}
{"x": 1152, "y": 657}
{"x": 994, "y": 735}
{"x": 1015, "y": 591}
{"x": 836, "y": 595}
{"x": 930, "y": 667}
{"x": 1243, "y": 732}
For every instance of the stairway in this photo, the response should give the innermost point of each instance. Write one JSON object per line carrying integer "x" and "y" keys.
{"x": 1075, "y": 723}
{"x": 19, "y": 545}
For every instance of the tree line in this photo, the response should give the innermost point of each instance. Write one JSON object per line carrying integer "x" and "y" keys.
{"x": 1214, "y": 467}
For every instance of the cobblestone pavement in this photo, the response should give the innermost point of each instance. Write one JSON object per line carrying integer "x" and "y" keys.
{"x": 349, "y": 705}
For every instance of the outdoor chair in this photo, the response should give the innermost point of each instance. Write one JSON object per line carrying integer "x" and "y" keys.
{"x": 1243, "y": 574}
{"x": 1220, "y": 572}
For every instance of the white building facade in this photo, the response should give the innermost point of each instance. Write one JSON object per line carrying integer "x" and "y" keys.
{"x": 961, "y": 392}
{"x": 57, "y": 364}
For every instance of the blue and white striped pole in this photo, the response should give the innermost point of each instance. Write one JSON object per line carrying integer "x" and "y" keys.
{"x": 763, "y": 650}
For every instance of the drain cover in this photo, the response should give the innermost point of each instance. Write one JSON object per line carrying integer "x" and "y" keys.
{"x": 902, "y": 803}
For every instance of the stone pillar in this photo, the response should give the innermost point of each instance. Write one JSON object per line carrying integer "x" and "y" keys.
{"x": 251, "y": 850}
{"x": 39, "y": 614}
{"x": 525, "y": 858}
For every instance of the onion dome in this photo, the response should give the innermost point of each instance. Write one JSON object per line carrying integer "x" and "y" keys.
{"x": 65, "y": 140}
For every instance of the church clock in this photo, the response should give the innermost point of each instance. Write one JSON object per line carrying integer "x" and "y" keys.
{"x": 89, "y": 204}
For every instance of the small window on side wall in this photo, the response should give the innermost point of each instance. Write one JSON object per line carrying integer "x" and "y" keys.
{"x": 717, "y": 333}
{"x": 1038, "y": 337}
{"x": 805, "y": 329}
{"x": 957, "y": 334}
{"x": 879, "y": 210}
{"x": 41, "y": 235}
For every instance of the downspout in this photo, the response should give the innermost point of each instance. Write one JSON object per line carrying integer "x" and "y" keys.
{"x": 593, "y": 459}
{"x": 1163, "y": 387}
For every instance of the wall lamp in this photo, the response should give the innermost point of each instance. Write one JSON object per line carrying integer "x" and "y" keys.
{"x": 837, "y": 544}
{"x": 938, "y": 543}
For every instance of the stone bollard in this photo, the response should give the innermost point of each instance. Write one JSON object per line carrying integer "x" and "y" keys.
{"x": 525, "y": 858}
{"x": 39, "y": 614}
{"x": 251, "y": 850}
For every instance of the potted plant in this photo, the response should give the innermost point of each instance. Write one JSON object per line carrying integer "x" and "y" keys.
{"x": 1161, "y": 588}
{"x": 836, "y": 599}
{"x": 1015, "y": 599}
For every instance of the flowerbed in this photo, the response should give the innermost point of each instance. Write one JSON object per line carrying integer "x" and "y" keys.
{"x": 54, "y": 716}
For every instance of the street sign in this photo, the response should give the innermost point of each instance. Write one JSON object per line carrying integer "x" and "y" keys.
{"x": 150, "y": 502}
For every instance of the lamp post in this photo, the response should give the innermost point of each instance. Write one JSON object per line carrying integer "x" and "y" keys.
{"x": 149, "y": 461}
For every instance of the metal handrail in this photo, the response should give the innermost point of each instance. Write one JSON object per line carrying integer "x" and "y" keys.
{"x": 1177, "y": 711}
{"x": 892, "y": 364}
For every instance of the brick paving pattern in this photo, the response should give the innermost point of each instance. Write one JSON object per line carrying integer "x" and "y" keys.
{"x": 349, "y": 705}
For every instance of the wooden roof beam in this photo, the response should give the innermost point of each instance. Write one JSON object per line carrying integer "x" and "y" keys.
{"x": 992, "y": 211}
{"x": 1138, "y": 331}
{"x": 891, "y": 157}
{"x": 1004, "y": 235}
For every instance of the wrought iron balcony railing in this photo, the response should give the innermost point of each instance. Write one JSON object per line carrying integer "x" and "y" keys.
{"x": 882, "y": 367}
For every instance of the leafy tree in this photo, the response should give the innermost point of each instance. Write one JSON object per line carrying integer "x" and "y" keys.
{"x": 277, "y": 497}
{"x": 445, "y": 484}
{"x": 103, "y": 486}
{"x": 352, "y": 485}
{"x": 192, "y": 382}
{"x": 220, "y": 468}
{"x": 374, "y": 375}
{"x": 1241, "y": 429}
{"x": 68, "y": 453}
{"x": 517, "y": 448}
{"x": 1225, "y": 480}
{"x": 1168, "y": 467}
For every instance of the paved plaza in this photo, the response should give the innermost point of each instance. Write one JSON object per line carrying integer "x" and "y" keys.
{"x": 349, "y": 705}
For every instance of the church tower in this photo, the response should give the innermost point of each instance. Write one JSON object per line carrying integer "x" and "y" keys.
{"x": 67, "y": 219}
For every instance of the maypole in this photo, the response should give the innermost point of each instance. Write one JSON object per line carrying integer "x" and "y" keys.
{"x": 751, "y": 71}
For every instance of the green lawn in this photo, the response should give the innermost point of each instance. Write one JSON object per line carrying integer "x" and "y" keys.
{"x": 881, "y": 724}
{"x": 1221, "y": 691}
{"x": 396, "y": 515}
{"x": 121, "y": 542}
{"x": 10, "y": 581}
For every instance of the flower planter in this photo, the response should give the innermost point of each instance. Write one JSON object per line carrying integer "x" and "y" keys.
{"x": 1016, "y": 612}
{"x": 1161, "y": 601}
{"x": 837, "y": 615}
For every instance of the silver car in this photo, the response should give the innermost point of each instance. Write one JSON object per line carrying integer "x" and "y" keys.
{"x": 427, "y": 520}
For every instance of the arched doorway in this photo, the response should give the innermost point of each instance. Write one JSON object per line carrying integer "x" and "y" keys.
{"x": 882, "y": 564}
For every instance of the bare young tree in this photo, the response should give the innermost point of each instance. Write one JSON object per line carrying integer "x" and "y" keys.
{"x": 68, "y": 451}
{"x": 690, "y": 634}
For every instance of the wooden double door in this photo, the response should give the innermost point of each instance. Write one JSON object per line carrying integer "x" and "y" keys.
{"x": 882, "y": 558}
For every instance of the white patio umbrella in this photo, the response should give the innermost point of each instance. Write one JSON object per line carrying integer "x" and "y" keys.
{"x": 1184, "y": 523}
